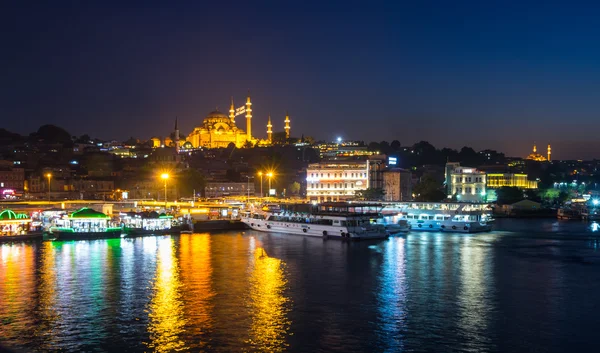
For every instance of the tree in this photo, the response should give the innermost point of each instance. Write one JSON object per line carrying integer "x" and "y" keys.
{"x": 395, "y": 145}
{"x": 428, "y": 190}
{"x": 509, "y": 195}
{"x": 373, "y": 147}
{"x": 294, "y": 188}
{"x": 248, "y": 144}
{"x": 533, "y": 195}
{"x": 189, "y": 181}
{"x": 370, "y": 194}
{"x": 52, "y": 134}
{"x": 384, "y": 147}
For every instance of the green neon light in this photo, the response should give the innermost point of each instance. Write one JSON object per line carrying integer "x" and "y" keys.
{"x": 10, "y": 214}
{"x": 88, "y": 213}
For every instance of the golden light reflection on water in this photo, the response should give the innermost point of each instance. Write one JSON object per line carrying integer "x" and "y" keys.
{"x": 269, "y": 307}
{"x": 165, "y": 312}
{"x": 50, "y": 318}
{"x": 196, "y": 276}
{"x": 17, "y": 283}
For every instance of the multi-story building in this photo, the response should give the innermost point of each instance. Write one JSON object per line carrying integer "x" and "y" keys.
{"x": 498, "y": 180}
{"x": 222, "y": 189}
{"x": 397, "y": 185}
{"x": 467, "y": 184}
{"x": 12, "y": 181}
{"x": 336, "y": 180}
{"x": 376, "y": 165}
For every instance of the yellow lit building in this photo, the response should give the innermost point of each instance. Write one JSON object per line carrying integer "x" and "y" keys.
{"x": 217, "y": 130}
{"x": 534, "y": 156}
{"x": 498, "y": 180}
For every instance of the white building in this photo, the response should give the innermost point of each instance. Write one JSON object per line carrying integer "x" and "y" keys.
{"x": 467, "y": 184}
{"x": 336, "y": 180}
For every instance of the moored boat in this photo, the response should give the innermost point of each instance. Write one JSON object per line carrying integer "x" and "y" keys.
{"x": 85, "y": 223}
{"x": 445, "y": 217}
{"x": 568, "y": 213}
{"x": 340, "y": 220}
{"x": 17, "y": 226}
{"x": 147, "y": 223}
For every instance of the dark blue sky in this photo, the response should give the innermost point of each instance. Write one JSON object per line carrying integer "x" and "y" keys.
{"x": 485, "y": 74}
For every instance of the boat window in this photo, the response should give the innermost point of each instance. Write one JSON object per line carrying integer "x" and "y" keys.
{"x": 430, "y": 217}
{"x": 343, "y": 223}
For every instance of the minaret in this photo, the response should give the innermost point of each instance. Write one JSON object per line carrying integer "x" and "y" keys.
{"x": 534, "y": 148}
{"x": 270, "y": 131}
{"x": 248, "y": 119}
{"x": 232, "y": 111}
{"x": 287, "y": 126}
{"x": 176, "y": 136}
{"x": 549, "y": 153}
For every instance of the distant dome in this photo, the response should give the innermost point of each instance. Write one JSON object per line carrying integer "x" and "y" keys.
{"x": 216, "y": 114}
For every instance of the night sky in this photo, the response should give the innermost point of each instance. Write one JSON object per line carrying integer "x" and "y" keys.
{"x": 485, "y": 74}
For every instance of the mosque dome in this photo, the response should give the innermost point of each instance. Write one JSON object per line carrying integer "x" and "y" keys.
{"x": 216, "y": 114}
{"x": 534, "y": 156}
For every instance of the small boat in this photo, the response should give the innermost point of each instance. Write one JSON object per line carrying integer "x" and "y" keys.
{"x": 591, "y": 214}
{"x": 568, "y": 213}
{"x": 401, "y": 226}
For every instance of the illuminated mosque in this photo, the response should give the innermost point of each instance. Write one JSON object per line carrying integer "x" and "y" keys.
{"x": 219, "y": 130}
{"x": 534, "y": 156}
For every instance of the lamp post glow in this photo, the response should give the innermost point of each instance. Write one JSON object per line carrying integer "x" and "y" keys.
{"x": 248, "y": 189}
{"x": 165, "y": 177}
{"x": 261, "y": 184}
{"x": 270, "y": 176}
{"x": 49, "y": 176}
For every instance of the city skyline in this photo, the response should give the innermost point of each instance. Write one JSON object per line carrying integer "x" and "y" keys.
{"x": 486, "y": 76}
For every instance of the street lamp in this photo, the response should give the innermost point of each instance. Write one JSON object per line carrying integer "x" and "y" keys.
{"x": 165, "y": 176}
{"x": 49, "y": 176}
{"x": 248, "y": 188}
{"x": 261, "y": 184}
{"x": 270, "y": 175}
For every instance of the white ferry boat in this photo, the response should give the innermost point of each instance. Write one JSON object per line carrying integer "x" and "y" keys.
{"x": 442, "y": 216}
{"x": 343, "y": 220}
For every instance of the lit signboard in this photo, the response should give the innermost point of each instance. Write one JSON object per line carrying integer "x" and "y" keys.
{"x": 272, "y": 192}
{"x": 392, "y": 160}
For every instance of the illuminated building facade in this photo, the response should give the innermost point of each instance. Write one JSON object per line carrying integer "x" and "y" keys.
{"x": 498, "y": 180}
{"x": 12, "y": 181}
{"x": 343, "y": 149}
{"x": 222, "y": 189}
{"x": 468, "y": 184}
{"x": 336, "y": 181}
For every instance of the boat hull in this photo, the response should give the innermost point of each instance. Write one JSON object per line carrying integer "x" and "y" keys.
{"x": 445, "y": 226}
{"x": 135, "y": 232}
{"x": 312, "y": 230}
{"x": 61, "y": 235}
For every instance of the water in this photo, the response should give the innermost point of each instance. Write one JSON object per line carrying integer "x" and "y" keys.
{"x": 532, "y": 286}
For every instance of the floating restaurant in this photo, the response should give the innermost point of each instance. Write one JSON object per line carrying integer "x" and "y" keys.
{"x": 12, "y": 223}
{"x": 146, "y": 222}
{"x": 85, "y": 223}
